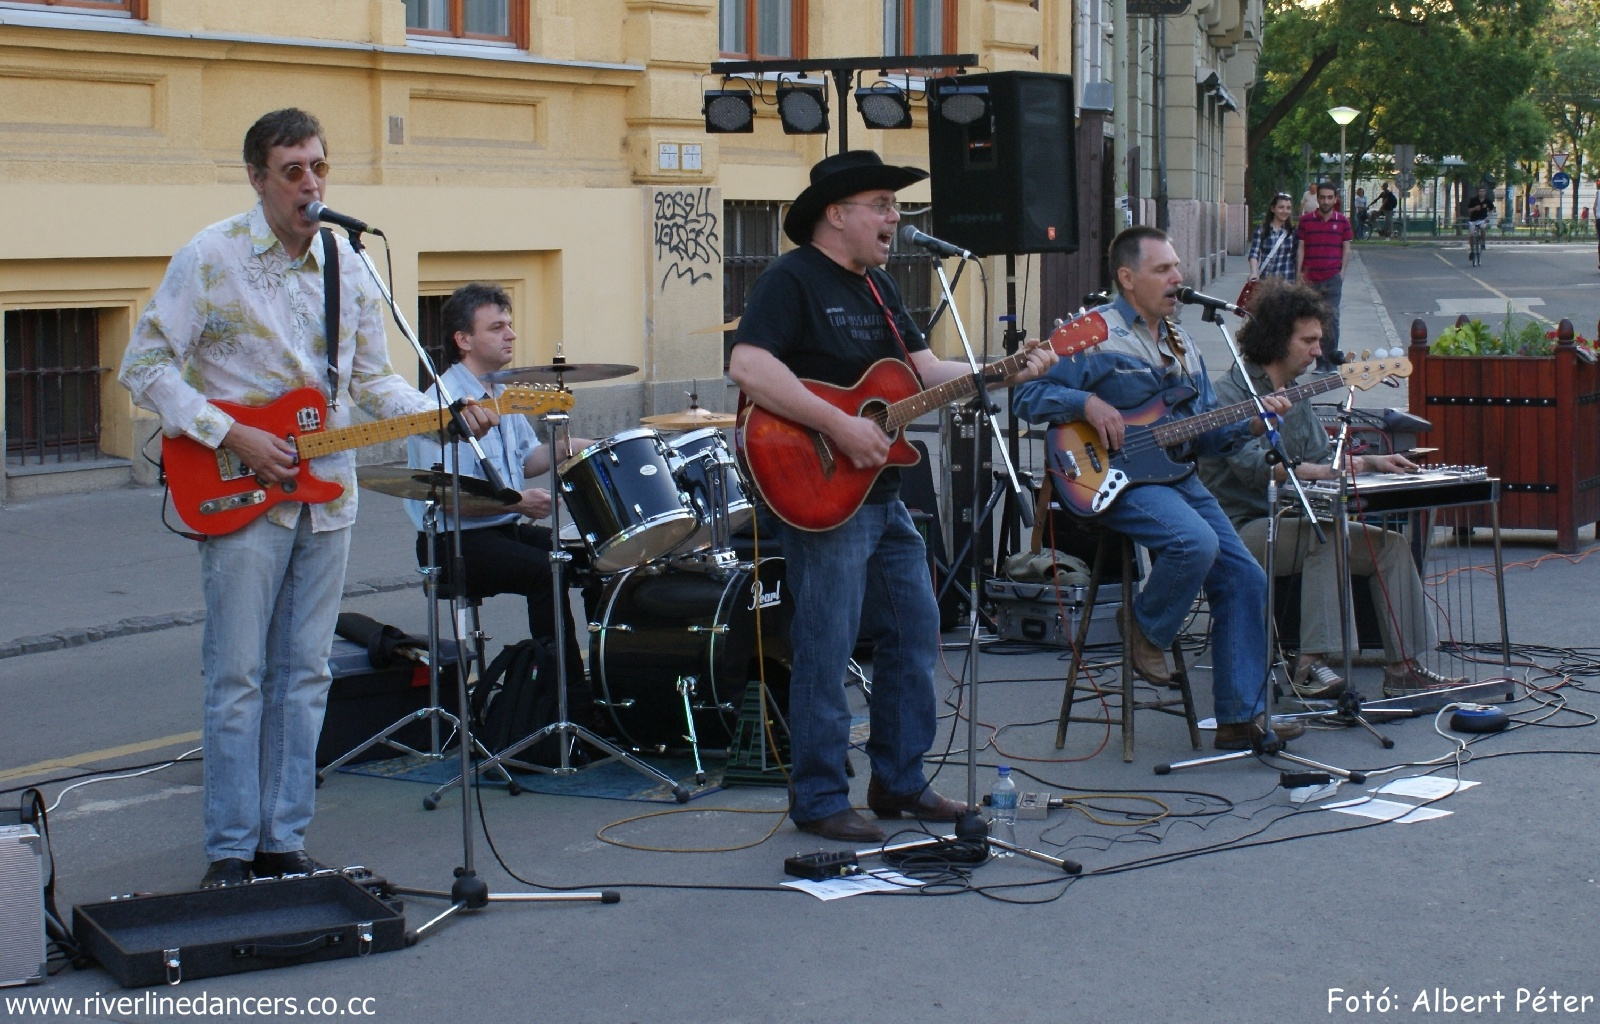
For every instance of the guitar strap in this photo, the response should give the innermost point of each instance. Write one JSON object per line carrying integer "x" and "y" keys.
{"x": 330, "y": 312}
{"x": 894, "y": 328}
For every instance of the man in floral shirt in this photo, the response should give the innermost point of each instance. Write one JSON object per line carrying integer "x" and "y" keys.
{"x": 239, "y": 317}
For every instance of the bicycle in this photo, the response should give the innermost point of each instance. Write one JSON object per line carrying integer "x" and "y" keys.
{"x": 1477, "y": 238}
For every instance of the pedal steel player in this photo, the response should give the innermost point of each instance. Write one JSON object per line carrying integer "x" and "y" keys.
{"x": 827, "y": 311}
{"x": 1281, "y": 342}
{"x": 1192, "y": 544}
{"x": 239, "y": 317}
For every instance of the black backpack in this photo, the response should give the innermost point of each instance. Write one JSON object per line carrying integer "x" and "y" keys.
{"x": 516, "y": 698}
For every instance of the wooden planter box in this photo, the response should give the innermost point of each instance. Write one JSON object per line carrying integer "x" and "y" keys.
{"x": 1534, "y": 422}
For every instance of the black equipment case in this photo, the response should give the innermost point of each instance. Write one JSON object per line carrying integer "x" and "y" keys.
{"x": 364, "y": 700}
{"x": 273, "y": 922}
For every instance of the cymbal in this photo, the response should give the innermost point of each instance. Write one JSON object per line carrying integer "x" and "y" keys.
{"x": 692, "y": 418}
{"x": 477, "y": 497}
{"x": 560, "y": 372}
{"x": 718, "y": 328}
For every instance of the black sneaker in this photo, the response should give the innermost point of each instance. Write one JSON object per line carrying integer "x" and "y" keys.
{"x": 225, "y": 872}
{"x": 276, "y": 865}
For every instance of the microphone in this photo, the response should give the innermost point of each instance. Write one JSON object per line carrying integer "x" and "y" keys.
{"x": 937, "y": 246}
{"x": 1189, "y": 295}
{"x": 315, "y": 211}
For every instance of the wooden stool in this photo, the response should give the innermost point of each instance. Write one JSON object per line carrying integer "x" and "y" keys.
{"x": 1180, "y": 704}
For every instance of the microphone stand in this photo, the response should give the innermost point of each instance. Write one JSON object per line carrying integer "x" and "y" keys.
{"x": 1268, "y": 743}
{"x": 970, "y": 825}
{"x": 468, "y": 892}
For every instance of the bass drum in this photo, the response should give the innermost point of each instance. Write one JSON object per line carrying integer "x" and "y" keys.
{"x": 660, "y": 625}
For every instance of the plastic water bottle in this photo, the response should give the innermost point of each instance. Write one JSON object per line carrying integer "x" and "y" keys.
{"x": 1003, "y": 810}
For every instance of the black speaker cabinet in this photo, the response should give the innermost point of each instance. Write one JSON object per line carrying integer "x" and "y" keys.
{"x": 1002, "y": 160}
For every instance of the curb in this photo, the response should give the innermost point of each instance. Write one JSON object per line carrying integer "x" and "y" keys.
{"x": 81, "y": 635}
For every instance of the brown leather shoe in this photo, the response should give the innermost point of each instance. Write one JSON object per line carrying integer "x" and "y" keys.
{"x": 846, "y": 826}
{"x": 1243, "y": 735}
{"x": 1149, "y": 661}
{"x": 924, "y": 804}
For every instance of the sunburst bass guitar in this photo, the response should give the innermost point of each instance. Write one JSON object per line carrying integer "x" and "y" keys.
{"x": 1087, "y": 478}
{"x": 215, "y": 493}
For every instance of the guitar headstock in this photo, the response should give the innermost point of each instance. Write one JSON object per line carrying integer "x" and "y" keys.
{"x": 1079, "y": 335}
{"x": 533, "y": 399}
{"x": 1370, "y": 372}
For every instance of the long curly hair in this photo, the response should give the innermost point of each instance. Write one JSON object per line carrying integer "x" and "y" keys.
{"x": 1275, "y": 308}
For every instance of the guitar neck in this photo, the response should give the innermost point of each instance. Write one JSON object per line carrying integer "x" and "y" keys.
{"x": 904, "y": 411}
{"x": 361, "y": 435}
{"x": 1191, "y": 427}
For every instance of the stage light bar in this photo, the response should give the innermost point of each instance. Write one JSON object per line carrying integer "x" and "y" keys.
{"x": 803, "y": 109}
{"x": 884, "y": 105}
{"x": 729, "y": 111}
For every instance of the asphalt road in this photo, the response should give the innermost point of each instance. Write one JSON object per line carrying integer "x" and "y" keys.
{"x": 1538, "y": 281}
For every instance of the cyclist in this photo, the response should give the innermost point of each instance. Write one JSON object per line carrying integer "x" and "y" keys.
{"x": 1480, "y": 209}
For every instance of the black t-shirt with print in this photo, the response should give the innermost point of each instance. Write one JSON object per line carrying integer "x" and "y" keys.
{"x": 822, "y": 322}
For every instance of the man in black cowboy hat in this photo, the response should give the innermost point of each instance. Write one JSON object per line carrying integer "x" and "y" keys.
{"x": 826, "y": 311}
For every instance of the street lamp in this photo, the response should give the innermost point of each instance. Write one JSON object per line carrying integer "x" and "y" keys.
{"x": 1344, "y": 115}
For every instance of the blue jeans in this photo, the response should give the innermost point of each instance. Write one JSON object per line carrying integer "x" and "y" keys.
{"x": 272, "y": 601}
{"x": 1332, "y": 290}
{"x": 869, "y": 575}
{"x": 1193, "y": 546}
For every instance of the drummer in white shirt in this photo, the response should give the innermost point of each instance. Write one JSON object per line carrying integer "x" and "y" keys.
{"x": 501, "y": 554}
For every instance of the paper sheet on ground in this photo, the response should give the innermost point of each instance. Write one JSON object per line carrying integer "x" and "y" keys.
{"x": 1387, "y": 810}
{"x": 1424, "y": 787}
{"x": 855, "y": 885}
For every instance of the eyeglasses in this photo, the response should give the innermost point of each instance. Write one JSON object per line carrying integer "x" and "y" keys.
{"x": 1283, "y": 195}
{"x": 882, "y": 207}
{"x": 294, "y": 172}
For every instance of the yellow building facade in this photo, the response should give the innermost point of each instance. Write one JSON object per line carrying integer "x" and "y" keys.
{"x": 561, "y": 153}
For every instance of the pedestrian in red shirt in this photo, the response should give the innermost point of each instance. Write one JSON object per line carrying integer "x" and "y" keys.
{"x": 1322, "y": 249}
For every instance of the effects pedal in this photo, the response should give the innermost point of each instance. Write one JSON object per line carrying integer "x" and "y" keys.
{"x": 1035, "y": 806}
{"x": 822, "y": 865}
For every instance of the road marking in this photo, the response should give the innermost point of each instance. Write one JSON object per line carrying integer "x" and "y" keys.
{"x": 92, "y": 756}
{"x": 91, "y": 807}
{"x": 1518, "y": 305}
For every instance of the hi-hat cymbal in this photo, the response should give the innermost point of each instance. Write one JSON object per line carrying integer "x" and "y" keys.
{"x": 718, "y": 328}
{"x": 560, "y": 372}
{"x": 692, "y": 418}
{"x": 477, "y": 497}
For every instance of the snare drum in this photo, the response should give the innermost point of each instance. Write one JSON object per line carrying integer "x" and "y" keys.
{"x": 625, "y": 498}
{"x": 663, "y": 624}
{"x": 705, "y": 457}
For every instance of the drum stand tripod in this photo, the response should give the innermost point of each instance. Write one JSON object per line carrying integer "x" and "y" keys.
{"x": 468, "y": 892}
{"x": 565, "y": 730}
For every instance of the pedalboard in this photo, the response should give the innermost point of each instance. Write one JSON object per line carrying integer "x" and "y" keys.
{"x": 822, "y": 865}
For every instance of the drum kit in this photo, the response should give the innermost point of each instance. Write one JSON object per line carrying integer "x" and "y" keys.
{"x": 675, "y": 644}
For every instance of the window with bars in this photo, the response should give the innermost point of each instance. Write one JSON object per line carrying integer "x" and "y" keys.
{"x": 761, "y": 29}
{"x": 134, "y": 8}
{"x": 918, "y": 26}
{"x": 430, "y": 331}
{"x": 53, "y": 376}
{"x": 495, "y": 20}
{"x": 753, "y": 233}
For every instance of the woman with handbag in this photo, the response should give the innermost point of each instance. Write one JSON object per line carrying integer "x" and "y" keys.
{"x": 1272, "y": 249}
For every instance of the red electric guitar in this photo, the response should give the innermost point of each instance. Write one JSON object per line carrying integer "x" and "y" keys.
{"x": 809, "y": 485}
{"x": 215, "y": 493}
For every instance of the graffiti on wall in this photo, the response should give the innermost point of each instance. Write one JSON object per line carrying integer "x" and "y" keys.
{"x": 688, "y": 235}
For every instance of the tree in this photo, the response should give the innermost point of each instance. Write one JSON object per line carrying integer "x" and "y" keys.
{"x": 1568, "y": 94}
{"x": 1403, "y": 65}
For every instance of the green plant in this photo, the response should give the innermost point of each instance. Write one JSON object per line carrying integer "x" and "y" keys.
{"x": 1474, "y": 338}
{"x": 1469, "y": 339}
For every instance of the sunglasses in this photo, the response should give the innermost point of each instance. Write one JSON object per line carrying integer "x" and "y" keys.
{"x": 294, "y": 172}
{"x": 882, "y": 207}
